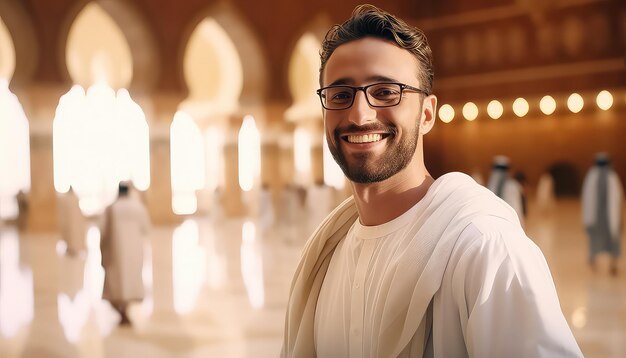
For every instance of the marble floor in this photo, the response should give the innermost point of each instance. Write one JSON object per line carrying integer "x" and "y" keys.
{"x": 219, "y": 289}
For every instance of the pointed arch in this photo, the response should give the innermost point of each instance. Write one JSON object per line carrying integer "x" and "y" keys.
{"x": 249, "y": 51}
{"x": 303, "y": 71}
{"x": 138, "y": 39}
{"x": 18, "y": 27}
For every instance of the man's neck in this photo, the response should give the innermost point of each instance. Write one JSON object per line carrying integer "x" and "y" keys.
{"x": 382, "y": 202}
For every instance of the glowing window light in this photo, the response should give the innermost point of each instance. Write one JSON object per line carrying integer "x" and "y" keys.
{"x": 14, "y": 152}
{"x": 520, "y": 107}
{"x": 249, "y": 145}
{"x": 302, "y": 155}
{"x": 333, "y": 175}
{"x": 446, "y": 113}
{"x": 99, "y": 139}
{"x": 134, "y": 154}
{"x": 547, "y": 104}
{"x": 16, "y": 286}
{"x": 604, "y": 100}
{"x": 252, "y": 265}
{"x": 470, "y": 111}
{"x": 214, "y": 158}
{"x": 495, "y": 109}
{"x": 575, "y": 103}
{"x": 187, "y": 163}
{"x": 188, "y": 266}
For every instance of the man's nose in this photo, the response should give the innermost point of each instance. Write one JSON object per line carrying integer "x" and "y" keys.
{"x": 361, "y": 112}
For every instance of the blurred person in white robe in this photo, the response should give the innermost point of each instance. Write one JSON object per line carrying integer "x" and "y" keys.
{"x": 505, "y": 187}
{"x": 72, "y": 223}
{"x": 266, "y": 210}
{"x": 602, "y": 205}
{"x": 126, "y": 228}
{"x": 410, "y": 266}
{"x": 545, "y": 192}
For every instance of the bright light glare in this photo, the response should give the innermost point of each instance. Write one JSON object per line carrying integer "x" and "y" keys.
{"x": 14, "y": 152}
{"x": 302, "y": 155}
{"x": 520, "y": 107}
{"x": 575, "y": 102}
{"x": 495, "y": 109}
{"x": 604, "y": 100}
{"x": 446, "y": 113}
{"x": 249, "y": 142}
{"x": 547, "y": 105}
{"x": 188, "y": 266}
{"x": 333, "y": 175}
{"x": 214, "y": 158}
{"x": 99, "y": 139}
{"x": 252, "y": 265}
{"x": 16, "y": 286}
{"x": 470, "y": 111}
{"x": 187, "y": 163}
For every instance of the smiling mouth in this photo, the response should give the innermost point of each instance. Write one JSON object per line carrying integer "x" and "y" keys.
{"x": 365, "y": 138}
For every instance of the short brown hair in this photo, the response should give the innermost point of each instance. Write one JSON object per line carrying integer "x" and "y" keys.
{"x": 370, "y": 21}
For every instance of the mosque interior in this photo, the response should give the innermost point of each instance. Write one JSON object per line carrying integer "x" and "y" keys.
{"x": 210, "y": 109}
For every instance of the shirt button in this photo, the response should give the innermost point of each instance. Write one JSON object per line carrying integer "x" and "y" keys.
{"x": 357, "y": 286}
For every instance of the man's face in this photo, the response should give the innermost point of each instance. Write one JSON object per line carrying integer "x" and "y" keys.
{"x": 372, "y": 144}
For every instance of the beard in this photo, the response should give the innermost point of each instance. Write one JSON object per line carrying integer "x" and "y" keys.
{"x": 368, "y": 167}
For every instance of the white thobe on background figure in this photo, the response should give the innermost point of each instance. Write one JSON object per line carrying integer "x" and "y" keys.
{"x": 72, "y": 222}
{"x": 602, "y": 203}
{"x": 505, "y": 187}
{"x": 126, "y": 228}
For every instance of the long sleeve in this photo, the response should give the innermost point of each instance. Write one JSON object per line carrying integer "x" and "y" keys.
{"x": 511, "y": 301}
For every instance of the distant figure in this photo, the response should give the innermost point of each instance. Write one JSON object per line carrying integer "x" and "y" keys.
{"x": 520, "y": 177}
{"x": 22, "y": 206}
{"x": 504, "y": 186}
{"x": 602, "y": 199}
{"x": 72, "y": 223}
{"x": 266, "y": 209}
{"x": 126, "y": 228}
{"x": 545, "y": 192}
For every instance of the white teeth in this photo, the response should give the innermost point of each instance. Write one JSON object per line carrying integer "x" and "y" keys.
{"x": 365, "y": 138}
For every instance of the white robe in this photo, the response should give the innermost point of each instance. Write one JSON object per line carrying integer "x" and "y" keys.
{"x": 511, "y": 191}
{"x": 615, "y": 200}
{"x": 490, "y": 288}
{"x": 126, "y": 228}
{"x": 72, "y": 223}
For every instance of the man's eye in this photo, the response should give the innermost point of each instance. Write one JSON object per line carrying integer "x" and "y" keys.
{"x": 385, "y": 92}
{"x": 341, "y": 96}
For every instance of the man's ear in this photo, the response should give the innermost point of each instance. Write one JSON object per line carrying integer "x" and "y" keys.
{"x": 429, "y": 113}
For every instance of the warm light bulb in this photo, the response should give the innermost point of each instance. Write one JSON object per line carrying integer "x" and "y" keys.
{"x": 520, "y": 107}
{"x": 495, "y": 109}
{"x": 446, "y": 113}
{"x": 470, "y": 111}
{"x": 604, "y": 100}
{"x": 547, "y": 105}
{"x": 575, "y": 102}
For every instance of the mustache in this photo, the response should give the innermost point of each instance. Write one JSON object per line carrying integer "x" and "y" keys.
{"x": 371, "y": 127}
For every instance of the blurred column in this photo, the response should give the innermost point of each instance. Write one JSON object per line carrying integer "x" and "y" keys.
{"x": 40, "y": 102}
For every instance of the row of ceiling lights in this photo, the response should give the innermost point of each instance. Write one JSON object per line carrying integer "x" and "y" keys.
{"x": 547, "y": 105}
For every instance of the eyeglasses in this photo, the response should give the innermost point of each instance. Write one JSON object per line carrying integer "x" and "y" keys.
{"x": 378, "y": 95}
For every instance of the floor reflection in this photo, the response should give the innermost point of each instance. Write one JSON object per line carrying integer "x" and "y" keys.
{"x": 218, "y": 288}
{"x": 16, "y": 285}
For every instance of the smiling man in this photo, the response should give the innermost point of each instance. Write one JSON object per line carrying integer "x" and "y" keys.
{"x": 410, "y": 266}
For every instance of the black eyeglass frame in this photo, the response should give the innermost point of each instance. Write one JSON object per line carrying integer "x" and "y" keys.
{"x": 364, "y": 89}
